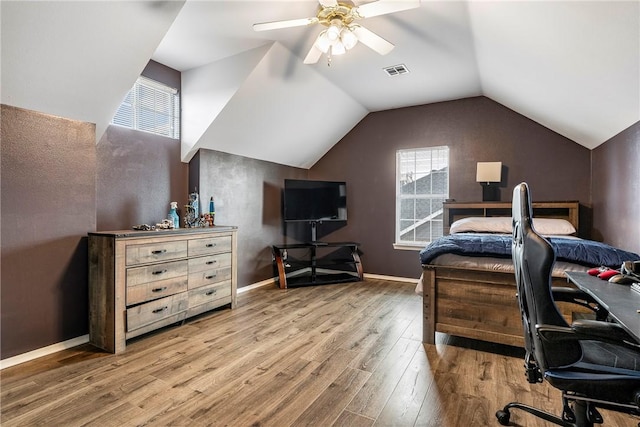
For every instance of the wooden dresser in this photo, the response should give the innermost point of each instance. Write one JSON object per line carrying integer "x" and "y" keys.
{"x": 140, "y": 281}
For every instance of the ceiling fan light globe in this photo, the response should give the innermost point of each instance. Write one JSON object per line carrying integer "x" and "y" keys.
{"x": 338, "y": 48}
{"x": 333, "y": 32}
{"x": 349, "y": 40}
{"x": 323, "y": 42}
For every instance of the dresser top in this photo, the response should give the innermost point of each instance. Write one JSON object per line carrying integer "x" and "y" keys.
{"x": 163, "y": 232}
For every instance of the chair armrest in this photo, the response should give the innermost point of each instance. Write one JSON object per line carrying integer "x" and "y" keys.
{"x": 593, "y": 330}
{"x": 581, "y": 298}
{"x": 606, "y": 331}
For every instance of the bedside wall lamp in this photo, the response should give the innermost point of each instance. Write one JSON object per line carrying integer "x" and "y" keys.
{"x": 489, "y": 175}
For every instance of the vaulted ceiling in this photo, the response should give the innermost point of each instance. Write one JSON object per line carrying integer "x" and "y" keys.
{"x": 572, "y": 66}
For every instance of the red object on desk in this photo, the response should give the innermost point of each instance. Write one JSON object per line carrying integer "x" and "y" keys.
{"x": 605, "y": 275}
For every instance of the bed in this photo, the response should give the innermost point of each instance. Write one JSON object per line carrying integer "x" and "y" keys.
{"x": 468, "y": 285}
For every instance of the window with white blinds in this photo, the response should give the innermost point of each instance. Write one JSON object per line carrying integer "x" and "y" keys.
{"x": 150, "y": 106}
{"x": 422, "y": 185}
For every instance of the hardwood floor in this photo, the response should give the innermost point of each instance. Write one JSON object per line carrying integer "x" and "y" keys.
{"x": 335, "y": 355}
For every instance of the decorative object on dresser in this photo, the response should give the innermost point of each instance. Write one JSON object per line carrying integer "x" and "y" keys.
{"x": 140, "y": 281}
{"x": 192, "y": 209}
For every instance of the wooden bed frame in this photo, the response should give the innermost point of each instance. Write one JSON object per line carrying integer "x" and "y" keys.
{"x": 475, "y": 303}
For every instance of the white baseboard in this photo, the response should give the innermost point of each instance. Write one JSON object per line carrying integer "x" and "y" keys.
{"x": 54, "y": 348}
{"x": 44, "y": 351}
{"x": 413, "y": 280}
{"x": 256, "y": 285}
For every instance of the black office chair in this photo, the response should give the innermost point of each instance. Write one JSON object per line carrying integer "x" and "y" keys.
{"x": 595, "y": 364}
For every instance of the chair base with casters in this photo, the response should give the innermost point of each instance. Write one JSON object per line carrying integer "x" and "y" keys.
{"x": 583, "y": 413}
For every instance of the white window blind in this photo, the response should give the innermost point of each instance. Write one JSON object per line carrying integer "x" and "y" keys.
{"x": 422, "y": 185}
{"x": 150, "y": 106}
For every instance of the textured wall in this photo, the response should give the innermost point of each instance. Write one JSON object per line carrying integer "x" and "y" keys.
{"x": 138, "y": 175}
{"x": 48, "y": 207}
{"x": 247, "y": 194}
{"x": 475, "y": 129}
{"x": 616, "y": 190}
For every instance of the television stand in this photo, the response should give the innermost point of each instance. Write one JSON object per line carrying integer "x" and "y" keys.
{"x": 316, "y": 263}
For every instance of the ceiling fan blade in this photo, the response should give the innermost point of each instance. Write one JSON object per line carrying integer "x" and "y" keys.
{"x": 313, "y": 56}
{"x": 372, "y": 40}
{"x": 382, "y": 7}
{"x": 284, "y": 24}
{"x": 328, "y": 3}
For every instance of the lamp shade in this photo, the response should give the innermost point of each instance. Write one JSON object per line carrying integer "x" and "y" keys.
{"x": 489, "y": 172}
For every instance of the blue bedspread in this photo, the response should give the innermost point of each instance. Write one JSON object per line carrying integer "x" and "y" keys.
{"x": 578, "y": 251}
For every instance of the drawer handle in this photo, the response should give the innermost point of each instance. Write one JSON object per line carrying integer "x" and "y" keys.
{"x": 160, "y": 310}
{"x": 210, "y": 245}
{"x": 159, "y": 272}
{"x": 209, "y": 293}
{"x": 159, "y": 251}
{"x": 164, "y": 288}
{"x": 211, "y": 262}
{"x": 210, "y": 277}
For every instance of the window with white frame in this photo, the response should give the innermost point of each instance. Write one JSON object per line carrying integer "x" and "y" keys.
{"x": 151, "y": 106}
{"x": 422, "y": 185}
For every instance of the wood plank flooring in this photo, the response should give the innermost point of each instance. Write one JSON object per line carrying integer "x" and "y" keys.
{"x": 334, "y": 355}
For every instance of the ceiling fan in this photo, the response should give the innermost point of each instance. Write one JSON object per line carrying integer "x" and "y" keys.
{"x": 342, "y": 33}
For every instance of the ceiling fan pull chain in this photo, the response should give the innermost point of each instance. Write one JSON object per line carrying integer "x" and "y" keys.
{"x": 329, "y": 56}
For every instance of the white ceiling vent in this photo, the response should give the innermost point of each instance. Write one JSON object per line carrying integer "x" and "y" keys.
{"x": 396, "y": 70}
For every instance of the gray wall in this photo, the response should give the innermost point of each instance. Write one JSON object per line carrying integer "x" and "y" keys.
{"x": 616, "y": 190}
{"x": 247, "y": 194}
{"x": 138, "y": 175}
{"x": 475, "y": 129}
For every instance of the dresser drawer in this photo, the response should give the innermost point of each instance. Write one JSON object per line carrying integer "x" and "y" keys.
{"x": 154, "y": 290}
{"x": 209, "y": 245}
{"x": 209, "y": 262}
{"x": 152, "y": 252}
{"x": 157, "y": 272}
{"x": 163, "y": 310}
{"x": 209, "y": 297}
{"x": 206, "y": 277}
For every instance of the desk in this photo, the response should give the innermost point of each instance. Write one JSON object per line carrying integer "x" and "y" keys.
{"x": 620, "y": 301}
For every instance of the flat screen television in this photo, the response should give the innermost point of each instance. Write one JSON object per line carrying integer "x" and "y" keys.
{"x": 314, "y": 201}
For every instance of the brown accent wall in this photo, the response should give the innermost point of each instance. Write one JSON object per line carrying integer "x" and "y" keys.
{"x": 138, "y": 175}
{"x": 48, "y": 207}
{"x": 475, "y": 129}
{"x": 247, "y": 193}
{"x": 615, "y": 179}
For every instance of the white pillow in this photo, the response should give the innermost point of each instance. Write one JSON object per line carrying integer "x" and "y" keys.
{"x": 502, "y": 225}
{"x": 476, "y": 224}
{"x": 553, "y": 226}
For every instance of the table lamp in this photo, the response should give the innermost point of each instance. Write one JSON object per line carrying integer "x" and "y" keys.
{"x": 489, "y": 175}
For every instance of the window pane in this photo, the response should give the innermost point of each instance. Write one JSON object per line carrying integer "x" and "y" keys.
{"x": 424, "y": 208}
{"x": 407, "y": 209}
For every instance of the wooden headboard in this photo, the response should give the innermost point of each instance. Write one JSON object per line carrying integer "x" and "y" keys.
{"x": 453, "y": 211}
